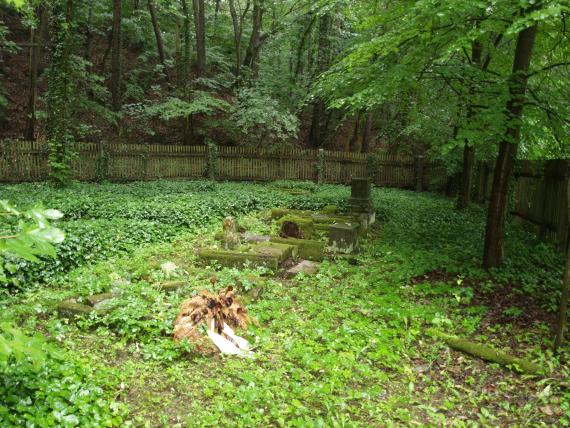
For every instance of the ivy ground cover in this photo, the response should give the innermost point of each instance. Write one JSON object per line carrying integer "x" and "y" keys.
{"x": 349, "y": 346}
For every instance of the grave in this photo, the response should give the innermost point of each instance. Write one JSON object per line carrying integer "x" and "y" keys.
{"x": 268, "y": 254}
{"x": 295, "y": 226}
{"x": 360, "y": 202}
{"x": 344, "y": 236}
{"x": 306, "y": 248}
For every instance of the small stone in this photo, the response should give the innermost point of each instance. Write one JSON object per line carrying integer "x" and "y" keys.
{"x": 330, "y": 209}
{"x": 305, "y": 266}
{"x": 172, "y": 285}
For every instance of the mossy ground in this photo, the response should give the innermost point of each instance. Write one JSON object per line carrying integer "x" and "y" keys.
{"x": 346, "y": 347}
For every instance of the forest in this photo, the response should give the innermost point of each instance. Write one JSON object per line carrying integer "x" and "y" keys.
{"x": 298, "y": 213}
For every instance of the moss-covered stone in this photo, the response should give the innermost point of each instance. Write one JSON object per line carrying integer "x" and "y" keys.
{"x": 277, "y": 213}
{"x": 172, "y": 285}
{"x": 307, "y": 248}
{"x": 330, "y": 209}
{"x": 344, "y": 236}
{"x": 281, "y": 250}
{"x": 98, "y": 298}
{"x": 330, "y": 219}
{"x": 71, "y": 309}
{"x": 306, "y": 225}
{"x": 234, "y": 258}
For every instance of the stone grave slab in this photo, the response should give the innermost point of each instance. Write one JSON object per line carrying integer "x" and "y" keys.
{"x": 306, "y": 248}
{"x": 344, "y": 236}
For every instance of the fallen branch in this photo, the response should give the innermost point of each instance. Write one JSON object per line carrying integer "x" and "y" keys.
{"x": 489, "y": 354}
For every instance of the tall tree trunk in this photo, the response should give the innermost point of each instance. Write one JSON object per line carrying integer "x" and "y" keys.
{"x": 304, "y": 38}
{"x": 36, "y": 41}
{"x": 468, "y": 150}
{"x": 252, "y": 54}
{"x": 367, "y": 133}
{"x": 186, "y": 37}
{"x": 353, "y": 144}
{"x": 116, "y": 56}
{"x": 318, "y": 124}
{"x": 237, "y": 36}
{"x": 158, "y": 36}
{"x": 498, "y": 204}
{"x": 58, "y": 96}
{"x": 88, "y": 34}
{"x": 200, "y": 28}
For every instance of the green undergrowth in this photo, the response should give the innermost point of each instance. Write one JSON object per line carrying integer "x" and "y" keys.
{"x": 345, "y": 347}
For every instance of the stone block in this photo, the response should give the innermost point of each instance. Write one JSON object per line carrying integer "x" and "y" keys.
{"x": 306, "y": 248}
{"x": 344, "y": 236}
{"x": 305, "y": 266}
{"x": 330, "y": 209}
{"x": 305, "y": 224}
{"x": 248, "y": 237}
{"x": 71, "y": 309}
{"x": 360, "y": 188}
{"x": 234, "y": 258}
{"x": 280, "y": 250}
{"x": 98, "y": 298}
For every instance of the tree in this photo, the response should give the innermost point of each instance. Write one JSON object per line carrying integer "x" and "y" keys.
{"x": 58, "y": 96}
{"x": 116, "y": 42}
{"x": 200, "y": 28}
{"x": 495, "y": 232}
{"x": 158, "y": 36}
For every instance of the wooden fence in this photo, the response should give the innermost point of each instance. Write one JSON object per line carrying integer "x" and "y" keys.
{"x": 27, "y": 161}
{"x": 540, "y": 196}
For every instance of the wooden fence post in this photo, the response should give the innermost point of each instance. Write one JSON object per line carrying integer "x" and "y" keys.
{"x": 563, "y": 310}
{"x": 419, "y": 173}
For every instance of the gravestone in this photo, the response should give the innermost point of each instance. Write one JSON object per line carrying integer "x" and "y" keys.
{"x": 344, "y": 236}
{"x": 360, "y": 202}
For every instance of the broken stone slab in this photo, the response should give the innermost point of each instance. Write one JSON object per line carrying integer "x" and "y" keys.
{"x": 248, "y": 237}
{"x": 328, "y": 219}
{"x": 304, "y": 224}
{"x": 71, "y": 309}
{"x": 280, "y": 250}
{"x": 234, "y": 258}
{"x": 344, "y": 236}
{"x": 306, "y": 248}
{"x": 98, "y": 298}
{"x": 306, "y": 266}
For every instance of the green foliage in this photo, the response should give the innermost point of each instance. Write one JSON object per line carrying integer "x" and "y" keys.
{"x": 258, "y": 119}
{"x": 346, "y": 344}
{"x": 176, "y": 108}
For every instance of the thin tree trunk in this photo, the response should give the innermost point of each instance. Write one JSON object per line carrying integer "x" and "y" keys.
{"x": 186, "y": 37}
{"x": 237, "y": 36}
{"x": 200, "y": 28}
{"x": 252, "y": 54}
{"x": 498, "y": 204}
{"x": 318, "y": 124}
{"x": 35, "y": 44}
{"x": 468, "y": 150}
{"x": 158, "y": 36}
{"x": 116, "y": 56}
{"x": 367, "y": 133}
{"x": 563, "y": 310}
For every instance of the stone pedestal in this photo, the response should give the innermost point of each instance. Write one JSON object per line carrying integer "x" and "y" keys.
{"x": 344, "y": 236}
{"x": 360, "y": 202}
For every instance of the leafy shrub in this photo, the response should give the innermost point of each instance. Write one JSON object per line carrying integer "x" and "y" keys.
{"x": 52, "y": 390}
